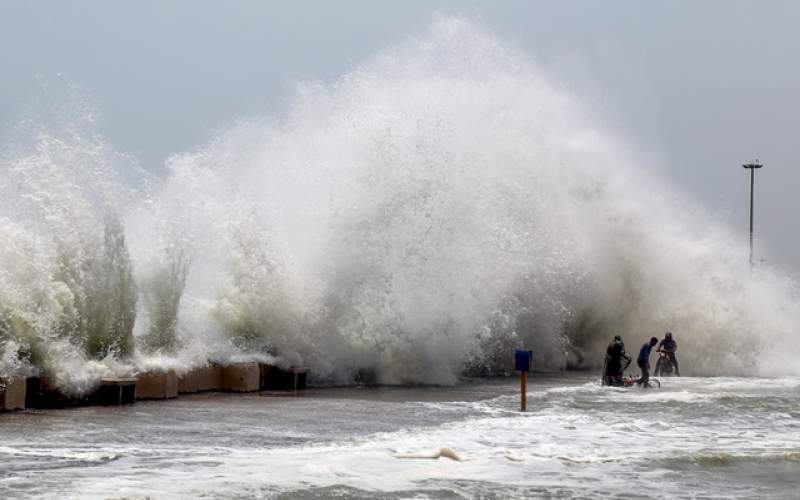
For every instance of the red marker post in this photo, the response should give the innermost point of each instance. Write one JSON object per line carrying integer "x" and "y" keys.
{"x": 522, "y": 363}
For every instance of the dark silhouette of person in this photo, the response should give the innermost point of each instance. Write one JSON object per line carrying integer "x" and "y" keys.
{"x": 615, "y": 353}
{"x": 668, "y": 346}
{"x": 644, "y": 362}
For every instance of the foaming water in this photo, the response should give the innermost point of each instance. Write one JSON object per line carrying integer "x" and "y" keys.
{"x": 578, "y": 439}
{"x": 414, "y": 220}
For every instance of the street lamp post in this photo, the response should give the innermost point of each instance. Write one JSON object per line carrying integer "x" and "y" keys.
{"x": 752, "y": 167}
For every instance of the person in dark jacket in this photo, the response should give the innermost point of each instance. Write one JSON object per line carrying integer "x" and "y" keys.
{"x": 615, "y": 353}
{"x": 644, "y": 362}
{"x": 668, "y": 346}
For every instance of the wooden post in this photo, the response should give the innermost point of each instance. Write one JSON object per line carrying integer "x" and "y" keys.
{"x": 523, "y": 382}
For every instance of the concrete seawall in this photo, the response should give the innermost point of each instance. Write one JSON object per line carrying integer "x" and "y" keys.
{"x": 12, "y": 393}
{"x": 116, "y": 391}
{"x": 240, "y": 377}
{"x": 17, "y": 393}
{"x": 201, "y": 379}
{"x": 157, "y": 385}
{"x": 42, "y": 393}
{"x": 273, "y": 378}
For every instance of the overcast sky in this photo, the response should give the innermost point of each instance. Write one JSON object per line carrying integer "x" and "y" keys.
{"x": 697, "y": 87}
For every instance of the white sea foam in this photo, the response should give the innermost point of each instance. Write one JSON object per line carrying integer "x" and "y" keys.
{"x": 82, "y": 456}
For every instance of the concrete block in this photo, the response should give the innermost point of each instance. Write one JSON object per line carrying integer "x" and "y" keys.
{"x": 200, "y": 379}
{"x": 12, "y": 393}
{"x": 241, "y": 377}
{"x": 300, "y": 378}
{"x": 157, "y": 385}
{"x": 116, "y": 392}
{"x": 277, "y": 379}
{"x": 264, "y": 372}
{"x": 40, "y": 392}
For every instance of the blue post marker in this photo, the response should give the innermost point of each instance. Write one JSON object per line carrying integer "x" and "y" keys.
{"x": 522, "y": 363}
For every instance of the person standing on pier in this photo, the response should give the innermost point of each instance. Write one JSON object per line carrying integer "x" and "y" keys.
{"x": 615, "y": 353}
{"x": 644, "y": 362}
{"x": 668, "y": 346}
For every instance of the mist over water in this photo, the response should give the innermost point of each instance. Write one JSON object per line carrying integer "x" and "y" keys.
{"x": 413, "y": 221}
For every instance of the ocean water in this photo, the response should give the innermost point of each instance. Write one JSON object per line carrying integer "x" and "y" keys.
{"x": 695, "y": 438}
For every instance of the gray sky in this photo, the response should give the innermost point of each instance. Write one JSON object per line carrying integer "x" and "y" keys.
{"x": 700, "y": 87}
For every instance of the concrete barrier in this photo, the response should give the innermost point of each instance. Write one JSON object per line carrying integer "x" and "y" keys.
{"x": 241, "y": 377}
{"x": 12, "y": 393}
{"x": 263, "y": 375}
{"x": 116, "y": 392}
{"x": 273, "y": 378}
{"x": 201, "y": 379}
{"x": 157, "y": 385}
{"x": 300, "y": 378}
{"x": 40, "y": 392}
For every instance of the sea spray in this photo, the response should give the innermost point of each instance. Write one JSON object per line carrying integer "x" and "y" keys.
{"x": 162, "y": 291}
{"x": 111, "y": 299}
{"x": 71, "y": 296}
{"x": 447, "y": 201}
{"x": 415, "y": 220}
